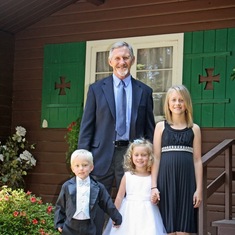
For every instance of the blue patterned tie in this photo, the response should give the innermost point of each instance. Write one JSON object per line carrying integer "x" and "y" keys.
{"x": 121, "y": 110}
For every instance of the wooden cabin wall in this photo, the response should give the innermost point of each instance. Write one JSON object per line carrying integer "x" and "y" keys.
{"x": 6, "y": 78}
{"x": 82, "y": 22}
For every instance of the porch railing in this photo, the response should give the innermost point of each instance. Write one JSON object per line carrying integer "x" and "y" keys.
{"x": 225, "y": 178}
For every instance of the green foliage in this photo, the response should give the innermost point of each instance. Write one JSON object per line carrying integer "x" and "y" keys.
{"x": 233, "y": 74}
{"x": 16, "y": 159}
{"x": 25, "y": 214}
{"x": 72, "y": 138}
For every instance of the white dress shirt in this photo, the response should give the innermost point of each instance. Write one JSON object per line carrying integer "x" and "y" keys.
{"x": 83, "y": 199}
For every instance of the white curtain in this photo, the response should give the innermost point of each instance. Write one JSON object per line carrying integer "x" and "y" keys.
{"x": 154, "y": 67}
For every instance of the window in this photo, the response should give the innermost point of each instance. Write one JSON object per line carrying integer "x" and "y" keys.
{"x": 158, "y": 63}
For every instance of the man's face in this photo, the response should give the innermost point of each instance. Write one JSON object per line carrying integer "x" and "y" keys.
{"x": 121, "y": 62}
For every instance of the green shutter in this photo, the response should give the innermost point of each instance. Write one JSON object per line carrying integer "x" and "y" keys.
{"x": 63, "y": 64}
{"x": 204, "y": 50}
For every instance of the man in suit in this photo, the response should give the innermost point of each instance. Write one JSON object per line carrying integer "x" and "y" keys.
{"x": 99, "y": 127}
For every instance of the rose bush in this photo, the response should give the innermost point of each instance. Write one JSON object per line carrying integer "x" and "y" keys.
{"x": 25, "y": 214}
{"x": 71, "y": 138}
{"x": 16, "y": 159}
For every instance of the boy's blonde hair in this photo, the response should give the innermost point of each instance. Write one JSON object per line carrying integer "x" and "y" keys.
{"x": 82, "y": 153}
{"x": 183, "y": 91}
{"x": 128, "y": 164}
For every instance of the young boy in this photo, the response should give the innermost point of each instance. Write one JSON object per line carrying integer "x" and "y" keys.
{"x": 80, "y": 197}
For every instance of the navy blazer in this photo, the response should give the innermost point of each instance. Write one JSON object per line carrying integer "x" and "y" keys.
{"x": 99, "y": 197}
{"x": 97, "y": 131}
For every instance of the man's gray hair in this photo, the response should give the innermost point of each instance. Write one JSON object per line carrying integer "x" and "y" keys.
{"x": 118, "y": 45}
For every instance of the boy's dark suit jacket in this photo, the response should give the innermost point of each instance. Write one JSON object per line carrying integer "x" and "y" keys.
{"x": 66, "y": 203}
{"x": 97, "y": 131}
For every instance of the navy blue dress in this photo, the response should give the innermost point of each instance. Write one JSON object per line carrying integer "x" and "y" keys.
{"x": 176, "y": 180}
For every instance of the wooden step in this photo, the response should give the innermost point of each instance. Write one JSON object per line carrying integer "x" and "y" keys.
{"x": 225, "y": 227}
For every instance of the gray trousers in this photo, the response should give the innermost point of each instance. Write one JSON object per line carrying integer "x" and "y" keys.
{"x": 114, "y": 174}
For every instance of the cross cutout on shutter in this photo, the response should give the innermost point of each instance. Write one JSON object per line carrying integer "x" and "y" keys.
{"x": 62, "y": 86}
{"x": 209, "y": 79}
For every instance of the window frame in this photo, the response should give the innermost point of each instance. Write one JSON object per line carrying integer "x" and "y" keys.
{"x": 168, "y": 40}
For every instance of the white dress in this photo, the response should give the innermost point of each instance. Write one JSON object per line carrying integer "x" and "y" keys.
{"x": 139, "y": 215}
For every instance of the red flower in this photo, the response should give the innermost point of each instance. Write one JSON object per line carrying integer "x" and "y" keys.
{"x": 41, "y": 231}
{"x": 40, "y": 202}
{"x": 16, "y": 213}
{"x": 43, "y": 221}
{"x": 22, "y": 213}
{"x": 49, "y": 209}
{"x": 33, "y": 199}
{"x": 34, "y": 221}
{"x": 71, "y": 125}
{"x": 28, "y": 192}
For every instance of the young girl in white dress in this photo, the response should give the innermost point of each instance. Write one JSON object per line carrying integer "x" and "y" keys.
{"x": 139, "y": 215}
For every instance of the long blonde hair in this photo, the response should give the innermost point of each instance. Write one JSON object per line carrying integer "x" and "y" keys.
{"x": 128, "y": 164}
{"x": 183, "y": 91}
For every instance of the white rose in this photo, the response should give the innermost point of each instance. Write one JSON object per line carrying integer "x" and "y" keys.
{"x": 1, "y": 157}
{"x": 21, "y": 131}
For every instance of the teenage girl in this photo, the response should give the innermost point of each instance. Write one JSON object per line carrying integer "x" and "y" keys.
{"x": 177, "y": 169}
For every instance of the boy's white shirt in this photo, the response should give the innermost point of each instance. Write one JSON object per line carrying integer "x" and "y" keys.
{"x": 82, "y": 199}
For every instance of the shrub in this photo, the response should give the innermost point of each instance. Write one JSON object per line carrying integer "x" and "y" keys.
{"x": 16, "y": 159}
{"x": 71, "y": 138}
{"x": 25, "y": 214}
